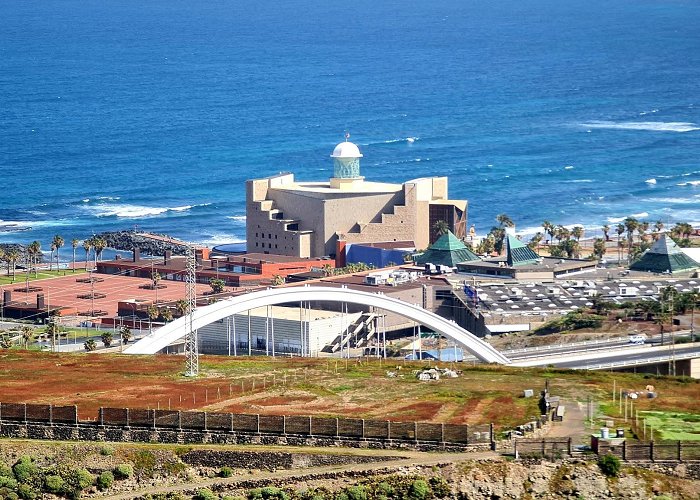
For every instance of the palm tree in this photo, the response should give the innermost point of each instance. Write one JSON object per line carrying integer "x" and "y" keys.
{"x": 577, "y": 232}
{"x": 52, "y": 331}
{"x": 606, "y": 230}
{"x": 642, "y": 230}
{"x": 277, "y": 280}
{"x": 166, "y": 314}
{"x": 599, "y": 247}
{"x": 3, "y": 259}
{"x": 90, "y": 345}
{"x": 631, "y": 224}
{"x": 658, "y": 227}
{"x": 181, "y": 307}
{"x": 53, "y": 249}
{"x": 87, "y": 245}
{"x": 620, "y": 229}
{"x": 107, "y": 339}
{"x": 548, "y": 228}
{"x": 34, "y": 251}
{"x": 74, "y": 244}
{"x": 27, "y": 335}
{"x": 504, "y": 220}
{"x": 100, "y": 244}
{"x": 58, "y": 243}
{"x": 153, "y": 314}
{"x": 535, "y": 242}
{"x": 12, "y": 256}
{"x": 125, "y": 333}
{"x": 441, "y": 227}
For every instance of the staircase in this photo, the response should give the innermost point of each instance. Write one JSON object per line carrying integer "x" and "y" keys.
{"x": 356, "y": 334}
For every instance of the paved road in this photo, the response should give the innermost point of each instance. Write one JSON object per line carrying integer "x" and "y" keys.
{"x": 296, "y": 475}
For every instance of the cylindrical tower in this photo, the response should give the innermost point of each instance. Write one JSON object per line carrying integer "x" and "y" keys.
{"x": 346, "y": 166}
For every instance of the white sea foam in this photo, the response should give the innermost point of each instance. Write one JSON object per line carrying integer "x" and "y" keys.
{"x": 135, "y": 211}
{"x": 238, "y": 218}
{"x": 409, "y": 140}
{"x": 650, "y": 181}
{"x": 220, "y": 239}
{"x": 579, "y": 181}
{"x": 650, "y": 126}
{"x": 640, "y": 215}
{"x": 689, "y": 183}
{"x": 675, "y": 201}
{"x": 569, "y": 167}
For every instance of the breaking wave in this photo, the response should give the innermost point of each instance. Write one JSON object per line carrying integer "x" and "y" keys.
{"x": 650, "y": 126}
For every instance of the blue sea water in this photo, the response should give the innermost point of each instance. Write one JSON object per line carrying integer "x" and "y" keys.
{"x": 153, "y": 114}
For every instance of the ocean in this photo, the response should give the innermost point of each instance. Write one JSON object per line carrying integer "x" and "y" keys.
{"x": 151, "y": 115}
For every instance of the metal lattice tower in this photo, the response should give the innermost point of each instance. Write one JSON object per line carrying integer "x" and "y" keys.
{"x": 191, "y": 348}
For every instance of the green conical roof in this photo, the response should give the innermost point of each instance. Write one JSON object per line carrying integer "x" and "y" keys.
{"x": 448, "y": 250}
{"x": 664, "y": 256}
{"x": 517, "y": 253}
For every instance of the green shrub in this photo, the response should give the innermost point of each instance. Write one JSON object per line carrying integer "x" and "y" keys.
{"x": 5, "y": 470}
{"x": 419, "y": 490}
{"x": 26, "y": 492}
{"x": 123, "y": 471}
{"x": 440, "y": 487}
{"x": 75, "y": 481}
{"x": 8, "y": 494}
{"x": 105, "y": 480}
{"x": 106, "y": 451}
{"x": 205, "y": 494}
{"x": 25, "y": 470}
{"x": 384, "y": 489}
{"x": 8, "y": 482}
{"x": 269, "y": 492}
{"x": 226, "y": 472}
{"x": 53, "y": 483}
{"x": 357, "y": 492}
{"x": 610, "y": 465}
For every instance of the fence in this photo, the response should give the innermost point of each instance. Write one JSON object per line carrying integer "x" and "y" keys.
{"x": 545, "y": 448}
{"x": 654, "y": 451}
{"x": 346, "y": 428}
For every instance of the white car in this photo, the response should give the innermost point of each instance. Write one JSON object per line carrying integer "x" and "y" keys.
{"x": 638, "y": 338}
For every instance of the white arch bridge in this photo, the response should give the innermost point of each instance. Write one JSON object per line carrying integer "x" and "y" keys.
{"x": 203, "y": 316}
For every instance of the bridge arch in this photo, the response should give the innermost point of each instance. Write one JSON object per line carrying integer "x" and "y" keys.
{"x": 272, "y": 296}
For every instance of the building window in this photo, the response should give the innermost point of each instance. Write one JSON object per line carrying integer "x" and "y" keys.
{"x": 256, "y": 243}
{"x": 269, "y": 236}
{"x": 256, "y": 235}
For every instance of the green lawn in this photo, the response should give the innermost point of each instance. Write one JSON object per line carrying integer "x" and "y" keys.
{"x": 21, "y": 277}
{"x": 671, "y": 425}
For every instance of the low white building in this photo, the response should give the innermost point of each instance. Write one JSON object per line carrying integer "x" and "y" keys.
{"x": 277, "y": 330}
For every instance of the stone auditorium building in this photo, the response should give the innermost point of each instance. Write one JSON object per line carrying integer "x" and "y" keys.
{"x": 313, "y": 219}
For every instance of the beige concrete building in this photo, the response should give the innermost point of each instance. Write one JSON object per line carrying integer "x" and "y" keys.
{"x": 312, "y": 219}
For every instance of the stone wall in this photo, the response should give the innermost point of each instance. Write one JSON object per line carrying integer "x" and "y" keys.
{"x": 94, "y": 432}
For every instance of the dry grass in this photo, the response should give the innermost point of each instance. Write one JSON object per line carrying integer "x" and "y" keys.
{"x": 320, "y": 387}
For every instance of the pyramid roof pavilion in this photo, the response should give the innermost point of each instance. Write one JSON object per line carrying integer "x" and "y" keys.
{"x": 517, "y": 253}
{"x": 664, "y": 256}
{"x": 448, "y": 250}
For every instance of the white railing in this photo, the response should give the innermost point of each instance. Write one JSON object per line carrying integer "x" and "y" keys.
{"x": 647, "y": 361}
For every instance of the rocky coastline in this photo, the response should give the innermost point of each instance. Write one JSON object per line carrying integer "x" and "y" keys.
{"x": 147, "y": 243}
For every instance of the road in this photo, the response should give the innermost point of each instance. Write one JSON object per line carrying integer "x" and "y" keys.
{"x": 621, "y": 355}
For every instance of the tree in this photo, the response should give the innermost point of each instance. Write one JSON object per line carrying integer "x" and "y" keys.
{"x": 577, "y": 232}
{"x": 58, "y": 243}
{"x": 90, "y": 345}
{"x": 182, "y": 307}
{"x": 277, "y": 280}
{"x": 535, "y": 242}
{"x": 107, "y": 338}
{"x": 53, "y": 249}
{"x": 166, "y": 314}
{"x": 125, "y": 333}
{"x": 155, "y": 279}
{"x": 12, "y": 256}
{"x": 606, "y": 230}
{"x": 631, "y": 224}
{"x": 504, "y": 220}
{"x": 599, "y": 248}
{"x": 642, "y": 230}
{"x": 100, "y": 244}
{"x": 27, "y": 333}
{"x": 548, "y": 228}
{"x": 441, "y": 227}
{"x": 327, "y": 270}
{"x": 498, "y": 234}
{"x": 34, "y": 251}
{"x": 52, "y": 332}
{"x": 74, "y": 244}
{"x": 87, "y": 245}
{"x": 5, "y": 341}
{"x": 217, "y": 285}
{"x": 620, "y": 230}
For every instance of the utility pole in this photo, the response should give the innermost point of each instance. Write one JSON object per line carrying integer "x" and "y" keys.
{"x": 191, "y": 347}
